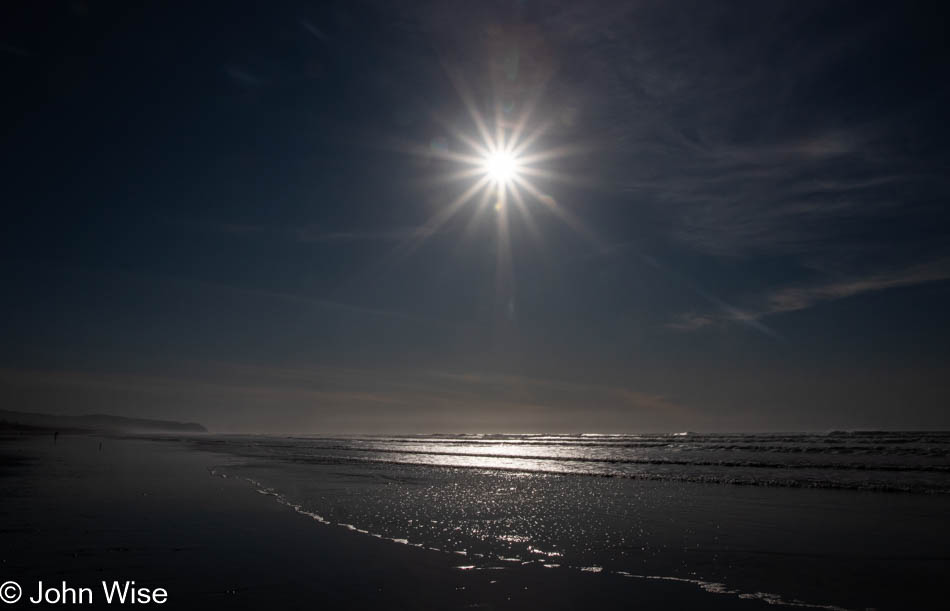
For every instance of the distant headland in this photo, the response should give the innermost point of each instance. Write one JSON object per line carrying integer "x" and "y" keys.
{"x": 94, "y": 422}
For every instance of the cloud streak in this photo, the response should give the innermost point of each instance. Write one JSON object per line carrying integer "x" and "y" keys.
{"x": 796, "y": 298}
{"x": 800, "y": 298}
{"x": 316, "y": 234}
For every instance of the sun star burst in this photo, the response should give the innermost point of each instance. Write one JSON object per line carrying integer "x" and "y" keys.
{"x": 498, "y": 163}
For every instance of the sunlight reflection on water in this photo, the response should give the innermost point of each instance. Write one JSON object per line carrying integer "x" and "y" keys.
{"x": 503, "y": 501}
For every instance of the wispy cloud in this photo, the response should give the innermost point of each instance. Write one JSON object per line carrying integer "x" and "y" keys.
{"x": 691, "y": 321}
{"x": 758, "y": 148}
{"x": 322, "y": 234}
{"x": 730, "y": 158}
{"x": 395, "y": 234}
{"x": 314, "y": 30}
{"x": 800, "y": 298}
{"x": 795, "y": 298}
{"x": 242, "y": 76}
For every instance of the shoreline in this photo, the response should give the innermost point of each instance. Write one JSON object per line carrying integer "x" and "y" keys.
{"x": 152, "y": 512}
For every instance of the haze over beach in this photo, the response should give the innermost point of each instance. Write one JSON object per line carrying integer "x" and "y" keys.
{"x": 509, "y": 304}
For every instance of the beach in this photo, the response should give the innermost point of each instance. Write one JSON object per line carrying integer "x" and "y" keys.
{"x": 830, "y": 520}
{"x": 152, "y": 512}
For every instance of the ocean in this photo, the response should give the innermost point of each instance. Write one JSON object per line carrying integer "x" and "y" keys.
{"x": 837, "y": 520}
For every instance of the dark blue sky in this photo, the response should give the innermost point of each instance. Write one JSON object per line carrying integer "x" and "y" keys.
{"x": 237, "y": 213}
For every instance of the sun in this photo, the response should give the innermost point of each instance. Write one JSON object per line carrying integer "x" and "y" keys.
{"x": 506, "y": 168}
{"x": 501, "y": 167}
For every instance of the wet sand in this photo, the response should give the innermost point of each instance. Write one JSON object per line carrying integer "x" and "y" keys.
{"x": 151, "y": 512}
